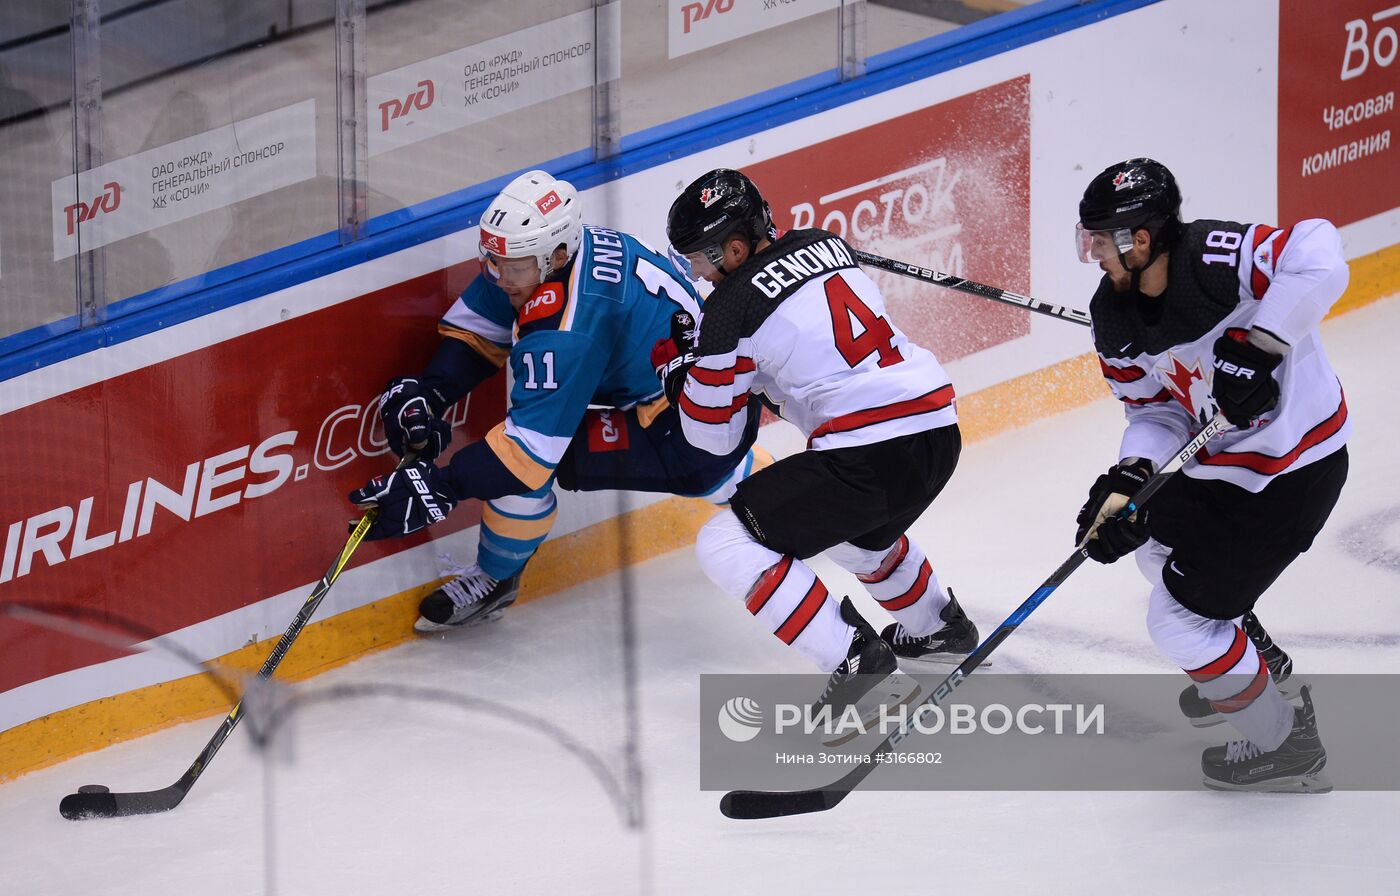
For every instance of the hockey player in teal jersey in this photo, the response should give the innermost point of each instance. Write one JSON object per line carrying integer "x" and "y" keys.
{"x": 575, "y": 311}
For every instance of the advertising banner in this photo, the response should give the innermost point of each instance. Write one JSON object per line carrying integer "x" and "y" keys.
{"x": 182, "y": 179}
{"x": 447, "y": 92}
{"x": 1337, "y": 78}
{"x": 697, "y": 24}
{"x": 927, "y": 188}
{"x": 207, "y": 482}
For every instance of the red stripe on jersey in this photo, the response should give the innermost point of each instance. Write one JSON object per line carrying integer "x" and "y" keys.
{"x": 707, "y": 377}
{"x": 1258, "y": 281}
{"x": 1227, "y": 661}
{"x": 889, "y": 564}
{"x": 1247, "y": 696}
{"x": 806, "y": 611}
{"x": 705, "y": 414}
{"x": 1268, "y": 465}
{"x": 1122, "y": 374}
{"x": 767, "y": 584}
{"x": 936, "y": 400}
{"x": 916, "y": 591}
{"x": 1164, "y": 395}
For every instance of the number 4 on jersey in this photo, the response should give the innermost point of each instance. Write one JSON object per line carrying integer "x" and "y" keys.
{"x": 876, "y": 334}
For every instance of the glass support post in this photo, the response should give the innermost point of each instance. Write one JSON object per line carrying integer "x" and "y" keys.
{"x": 91, "y": 264}
{"x": 851, "y": 39}
{"x": 607, "y": 85}
{"x": 352, "y": 123}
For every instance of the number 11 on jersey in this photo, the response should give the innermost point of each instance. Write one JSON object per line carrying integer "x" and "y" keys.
{"x": 546, "y": 367}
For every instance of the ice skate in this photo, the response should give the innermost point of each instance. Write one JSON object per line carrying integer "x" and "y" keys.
{"x": 473, "y": 598}
{"x": 948, "y": 645}
{"x": 868, "y": 662}
{"x": 1295, "y": 767}
{"x": 1199, "y": 711}
{"x": 888, "y": 696}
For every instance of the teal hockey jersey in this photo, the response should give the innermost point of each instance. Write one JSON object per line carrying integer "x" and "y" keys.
{"x": 584, "y": 338}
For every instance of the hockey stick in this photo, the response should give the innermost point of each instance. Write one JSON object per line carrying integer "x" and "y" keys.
{"x": 972, "y": 287}
{"x": 96, "y": 801}
{"x": 772, "y": 804}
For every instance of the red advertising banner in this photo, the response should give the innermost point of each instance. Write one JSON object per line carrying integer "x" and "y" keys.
{"x": 215, "y": 479}
{"x": 946, "y": 187}
{"x": 1337, "y": 79}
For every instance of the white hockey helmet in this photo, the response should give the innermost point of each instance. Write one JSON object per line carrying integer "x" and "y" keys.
{"x": 535, "y": 214}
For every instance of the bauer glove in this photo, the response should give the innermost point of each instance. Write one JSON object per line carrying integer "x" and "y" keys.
{"x": 406, "y": 407}
{"x": 674, "y": 356}
{"x": 1112, "y": 536}
{"x": 1243, "y": 385}
{"x": 412, "y": 497}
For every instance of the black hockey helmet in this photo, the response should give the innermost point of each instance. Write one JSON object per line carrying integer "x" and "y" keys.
{"x": 715, "y": 207}
{"x": 1138, "y": 194}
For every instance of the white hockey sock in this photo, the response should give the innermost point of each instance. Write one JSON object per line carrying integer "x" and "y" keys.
{"x": 782, "y": 592}
{"x": 900, "y": 579}
{"x": 1227, "y": 669}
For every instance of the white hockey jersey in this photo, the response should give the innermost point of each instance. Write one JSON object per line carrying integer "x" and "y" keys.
{"x": 803, "y": 326}
{"x": 1222, "y": 275}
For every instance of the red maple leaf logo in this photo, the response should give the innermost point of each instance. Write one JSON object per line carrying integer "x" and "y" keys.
{"x": 1181, "y": 382}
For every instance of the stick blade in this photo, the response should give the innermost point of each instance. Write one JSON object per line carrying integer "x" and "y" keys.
{"x": 82, "y": 806}
{"x": 771, "y": 804}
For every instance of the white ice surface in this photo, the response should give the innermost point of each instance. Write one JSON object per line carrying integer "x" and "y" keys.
{"x": 395, "y": 795}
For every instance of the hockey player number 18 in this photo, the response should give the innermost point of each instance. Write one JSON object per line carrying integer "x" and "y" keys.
{"x": 1223, "y": 239}
{"x": 876, "y": 334}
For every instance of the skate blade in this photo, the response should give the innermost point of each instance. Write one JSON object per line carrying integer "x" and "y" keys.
{"x": 937, "y": 661}
{"x": 1317, "y": 782}
{"x": 1209, "y": 721}
{"x": 894, "y": 692}
{"x": 427, "y": 627}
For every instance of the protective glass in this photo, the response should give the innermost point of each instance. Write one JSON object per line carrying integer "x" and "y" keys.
{"x": 1095, "y": 246}
{"x": 699, "y": 265}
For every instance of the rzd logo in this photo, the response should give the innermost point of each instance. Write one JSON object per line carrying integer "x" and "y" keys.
{"x": 108, "y": 201}
{"x": 610, "y": 432}
{"x": 699, "y": 12}
{"x": 421, "y": 98}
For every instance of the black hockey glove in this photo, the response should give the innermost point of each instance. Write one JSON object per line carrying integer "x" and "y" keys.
{"x": 410, "y": 498}
{"x": 1244, "y": 386}
{"x": 674, "y": 357}
{"x": 409, "y": 421}
{"x": 1113, "y": 536}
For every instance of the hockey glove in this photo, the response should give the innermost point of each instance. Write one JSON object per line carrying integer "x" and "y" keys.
{"x": 412, "y": 497}
{"x": 1244, "y": 386}
{"x": 409, "y": 421}
{"x": 673, "y": 357}
{"x": 1110, "y": 535}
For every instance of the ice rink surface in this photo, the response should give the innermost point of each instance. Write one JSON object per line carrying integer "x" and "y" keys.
{"x": 494, "y": 760}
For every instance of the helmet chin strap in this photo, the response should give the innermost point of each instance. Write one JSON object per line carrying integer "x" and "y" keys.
{"x": 752, "y": 244}
{"x": 1136, "y": 273}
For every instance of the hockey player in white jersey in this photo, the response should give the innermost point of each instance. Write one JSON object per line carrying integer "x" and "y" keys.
{"x": 794, "y": 320}
{"x": 1190, "y": 318}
